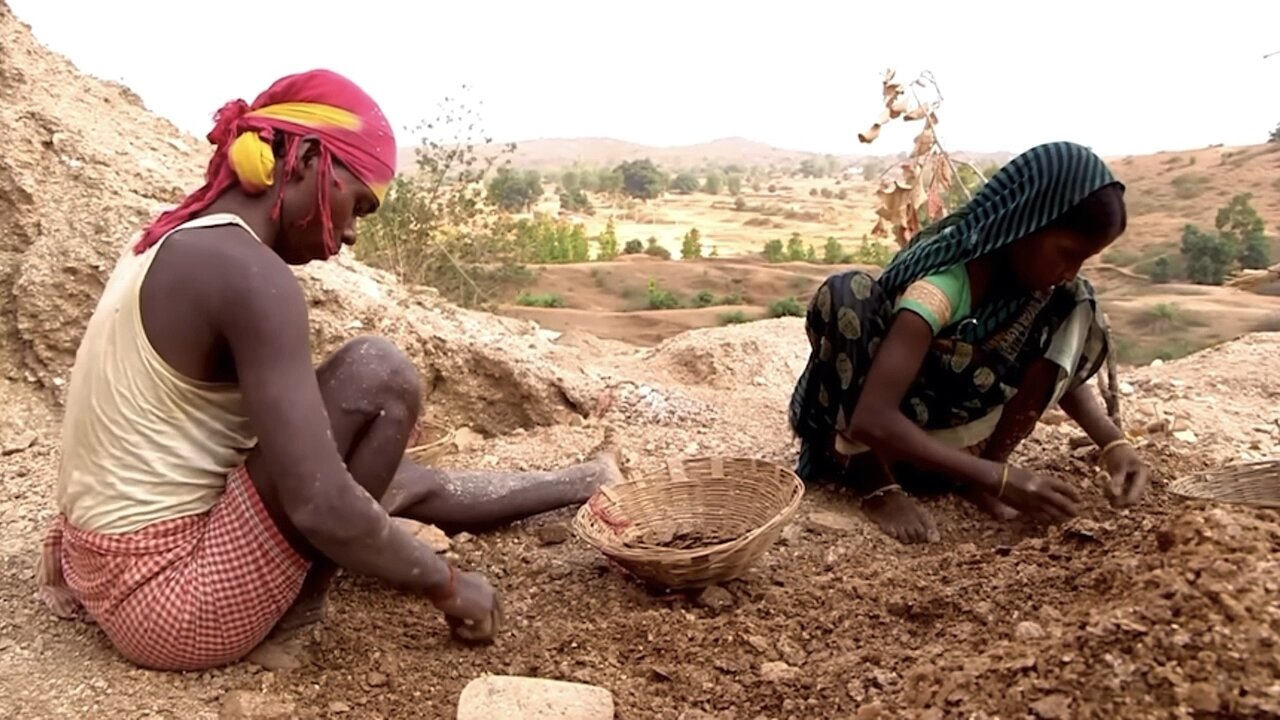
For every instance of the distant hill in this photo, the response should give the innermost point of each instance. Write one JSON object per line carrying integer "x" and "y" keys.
{"x": 556, "y": 153}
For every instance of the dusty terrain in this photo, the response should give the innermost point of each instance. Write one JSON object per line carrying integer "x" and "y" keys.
{"x": 1171, "y": 609}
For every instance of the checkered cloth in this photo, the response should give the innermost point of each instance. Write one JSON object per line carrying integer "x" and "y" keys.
{"x": 185, "y": 594}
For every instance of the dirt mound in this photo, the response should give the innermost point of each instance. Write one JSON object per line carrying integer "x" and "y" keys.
{"x": 83, "y": 165}
{"x": 747, "y": 355}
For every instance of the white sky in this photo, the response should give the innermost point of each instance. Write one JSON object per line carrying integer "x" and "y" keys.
{"x": 1122, "y": 76}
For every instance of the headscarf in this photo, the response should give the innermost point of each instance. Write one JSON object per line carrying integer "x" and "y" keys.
{"x": 346, "y": 123}
{"x": 1024, "y": 196}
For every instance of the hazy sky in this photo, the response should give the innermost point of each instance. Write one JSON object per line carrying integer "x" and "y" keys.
{"x": 1122, "y": 76}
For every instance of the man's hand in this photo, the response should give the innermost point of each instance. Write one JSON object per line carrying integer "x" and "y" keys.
{"x": 1128, "y": 476}
{"x": 473, "y": 610}
{"x": 1036, "y": 494}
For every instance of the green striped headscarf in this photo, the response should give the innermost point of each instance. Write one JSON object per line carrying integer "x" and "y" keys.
{"x": 1030, "y": 192}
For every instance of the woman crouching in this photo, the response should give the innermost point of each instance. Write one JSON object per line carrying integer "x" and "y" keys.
{"x": 944, "y": 364}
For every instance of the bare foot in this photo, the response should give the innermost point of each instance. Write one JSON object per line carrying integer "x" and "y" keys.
{"x": 900, "y": 517}
{"x": 988, "y": 504}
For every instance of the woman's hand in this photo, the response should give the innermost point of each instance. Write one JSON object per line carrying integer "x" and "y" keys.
{"x": 1037, "y": 494}
{"x": 1128, "y": 476}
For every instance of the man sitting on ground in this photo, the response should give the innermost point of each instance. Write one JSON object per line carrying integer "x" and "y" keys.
{"x": 211, "y": 479}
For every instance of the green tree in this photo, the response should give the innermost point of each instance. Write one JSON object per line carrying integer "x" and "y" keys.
{"x": 832, "y": 252}
{"x": 1162, "y": 270}
{"x": 514, "y": 191}
{"x": 1275, "y": 135}
{"x": 714, "y": 184}
{"x": 685, "y": 183}
{"x": 607, "y": 243}
{"x": 633, "y": 247}
{"x": 773, "y": 251}
{"x": 579, "y": 248}
{"x": 656, "y": 250}
{"x": 576, "y": 201}
{"x": 811, "y": 168}
{"x": 734, "y": 183}
{"x": 608, "y": 182}
{"x": 691, "y": 245}
{"x": 1208, "y": 257}
{"x": 571, "y": 181}
{"x": 795, "y": 248}
{"x": 641, "y": 179}
{"x": 1240, "y": 225}
{"x": 872, "y": 169}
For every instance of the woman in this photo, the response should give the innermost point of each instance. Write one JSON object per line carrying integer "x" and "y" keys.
{"x": 943, "y": 365}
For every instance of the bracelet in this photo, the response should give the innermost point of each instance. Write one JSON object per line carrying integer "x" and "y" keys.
{"x": 449, "y": 589}
{"x": 1112, "y": 446}
{"x": 1004, "y": 480}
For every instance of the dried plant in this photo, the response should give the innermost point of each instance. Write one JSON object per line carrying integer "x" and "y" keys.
{"x": 917, "y": 189}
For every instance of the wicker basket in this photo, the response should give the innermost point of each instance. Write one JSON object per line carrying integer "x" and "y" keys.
{"x": 1250, "y": 483}
{"x": 701, "y": 521}
{"x": 440, "y": 444}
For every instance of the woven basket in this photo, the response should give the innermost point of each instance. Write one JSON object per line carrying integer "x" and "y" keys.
{"x": 1250, "y": 483}
{"x": 429, "y": 453}
{"x": 701, "y": 521}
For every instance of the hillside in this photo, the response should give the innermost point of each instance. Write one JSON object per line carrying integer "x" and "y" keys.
{"x": 548, "y": 154}
{"x": 1170, "y": 189}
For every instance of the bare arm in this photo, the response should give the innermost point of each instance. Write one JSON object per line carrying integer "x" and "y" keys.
{"x": 263, "y": 317}
{"x": 1081, "y": 405}
{"x": 878, "y": 420}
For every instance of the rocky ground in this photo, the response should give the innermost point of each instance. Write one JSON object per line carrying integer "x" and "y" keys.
{"x": 1171, "y": 609}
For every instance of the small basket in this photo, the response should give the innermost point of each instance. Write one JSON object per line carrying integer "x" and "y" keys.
{"x": 726, "y": 512}
{"x": 1254, "y": 483}
{"x": 429, "y": 453}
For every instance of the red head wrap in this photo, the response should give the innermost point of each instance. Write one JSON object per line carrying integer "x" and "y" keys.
{"x": 345, "y": 121}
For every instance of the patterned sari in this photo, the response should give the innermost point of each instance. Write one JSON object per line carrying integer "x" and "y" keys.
{"x": 975, "y": 366}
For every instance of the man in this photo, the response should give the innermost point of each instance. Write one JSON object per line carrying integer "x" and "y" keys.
{"x": 211, "y": 479}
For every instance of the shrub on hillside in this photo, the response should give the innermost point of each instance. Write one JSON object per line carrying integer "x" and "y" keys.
{"x": 786, "y": 307}
{"x": 659, "y": 298}
{"x": 542, "y": 300}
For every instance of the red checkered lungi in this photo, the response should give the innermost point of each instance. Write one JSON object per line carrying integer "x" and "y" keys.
{"x": 184, "y": 594}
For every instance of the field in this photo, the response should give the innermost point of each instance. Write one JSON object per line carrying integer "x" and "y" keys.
{"x": 1164, "y": 193}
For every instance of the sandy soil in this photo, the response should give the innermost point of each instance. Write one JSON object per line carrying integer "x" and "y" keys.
{"x": 1167, "y": 610}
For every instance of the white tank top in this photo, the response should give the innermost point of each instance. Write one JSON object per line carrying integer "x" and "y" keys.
{"x": 142, "y": 443}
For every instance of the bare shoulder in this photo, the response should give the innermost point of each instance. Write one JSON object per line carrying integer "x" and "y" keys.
{"x": 228, "y": 269}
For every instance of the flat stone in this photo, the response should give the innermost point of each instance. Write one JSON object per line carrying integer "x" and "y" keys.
{"x": 1028, "y": 630}
{"x": 715, "y": 598}
{"x": 1052, "y": 707}
{"x": 778, "y": 672}
{"x": 466, "y": 439}
{"x": 1204, "y": 697}
{"x": 509, "y": 696}
{"x": 248, "y": 705}
{"x": 337, "y": 707}
{"x": 431, "y": 535}
{"x": 552, "y": 534}
{"x": 20, "y": 443}
{"x": 275, "y": 656}
{"x": 377, "y": 679}
{"x": 834, "y": 522}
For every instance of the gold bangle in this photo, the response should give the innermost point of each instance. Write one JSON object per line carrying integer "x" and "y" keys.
{"x": 1004, "y": 480}
{"x": 1112, "y": 446}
